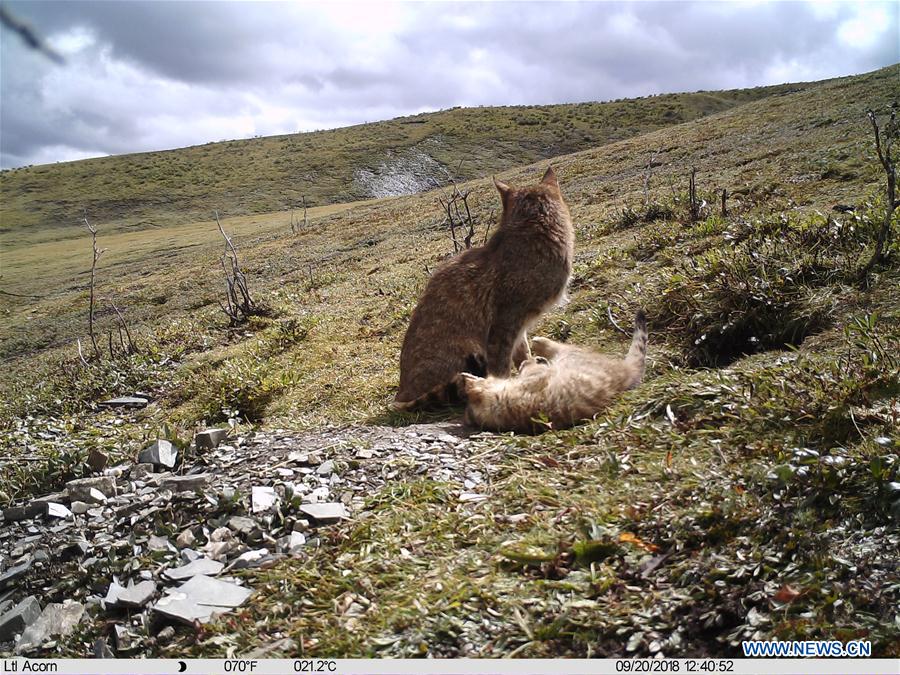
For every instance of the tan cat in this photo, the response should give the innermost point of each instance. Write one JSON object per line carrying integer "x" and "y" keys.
{"x": 561, "y": 383}
{"x": 475, "y": 309}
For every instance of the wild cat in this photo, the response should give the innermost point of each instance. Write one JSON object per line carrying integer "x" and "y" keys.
{"x": 475, "y": 309}
{"x": 562, "y": 384}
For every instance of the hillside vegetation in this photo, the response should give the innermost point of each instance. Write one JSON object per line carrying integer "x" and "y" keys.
{"x": 260, "y": 175}
{"x": 748, "y": 489}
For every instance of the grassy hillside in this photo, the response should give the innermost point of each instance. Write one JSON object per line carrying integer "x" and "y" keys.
{"x": 747, "y": 489}
{"x": 260, "y": 175}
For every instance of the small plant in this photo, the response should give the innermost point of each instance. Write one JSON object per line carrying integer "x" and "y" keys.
{"x": 884, "y": 143}
{"x": 240, "y": 305}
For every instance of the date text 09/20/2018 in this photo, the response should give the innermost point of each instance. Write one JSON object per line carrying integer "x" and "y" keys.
{"x": 674, "y": 666}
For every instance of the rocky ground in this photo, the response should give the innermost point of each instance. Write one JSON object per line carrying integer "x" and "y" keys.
{"x": 143, "y": 547}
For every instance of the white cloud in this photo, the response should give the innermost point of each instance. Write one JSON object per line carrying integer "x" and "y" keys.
{"x": 868, "y": 25}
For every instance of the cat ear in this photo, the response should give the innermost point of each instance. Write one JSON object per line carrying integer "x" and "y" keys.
{"x": 550, "y": 178}
{"x": 502, "y": 188}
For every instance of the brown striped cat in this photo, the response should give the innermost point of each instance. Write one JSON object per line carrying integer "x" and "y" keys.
{"x": 557, "y": 387}
{"x": 475, "y": 309}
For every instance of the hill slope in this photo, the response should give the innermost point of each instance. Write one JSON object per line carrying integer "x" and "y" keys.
{"x": 747, "y": 490}
{"x": 398, "y": 156}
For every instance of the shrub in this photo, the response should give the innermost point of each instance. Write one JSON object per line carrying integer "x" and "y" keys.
{"x": 771, "y": 289}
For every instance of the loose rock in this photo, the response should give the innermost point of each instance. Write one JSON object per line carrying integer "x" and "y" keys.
{"x": 200, "y": 598}
{"x": 325, "y": 513}
{"x": 199, "y": 566}
{"x": 56, "y": 620}
{"x": 160, "y": 453}
{"x": 263, "y": 498}
{"x": 97, "y": 460}
{"x": 93, "y": 490}
{"x": 14, "y": 573}
{"x": 210, "y": 438}
{"x": 137, "y": 595}
{"x": 19, "y": 618}
{"x": 190, "y": 483}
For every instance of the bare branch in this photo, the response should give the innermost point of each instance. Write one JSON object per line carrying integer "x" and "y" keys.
{"x": 647, "y": 172}
{"x": 97, "y": 252}
{"x": 240, "y": 303}
{"x": 81, "y": 353}
{"x": 692, "y": 195}
{"x": 124, "y": 326}
{"x": 884, "y": 141}
{"x": 613, "y": 321}
{"x": 27, "y": 33}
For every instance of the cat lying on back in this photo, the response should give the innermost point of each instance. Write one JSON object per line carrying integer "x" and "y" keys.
{"x": 475, "y": 309}
{"x": 560, "y": 383}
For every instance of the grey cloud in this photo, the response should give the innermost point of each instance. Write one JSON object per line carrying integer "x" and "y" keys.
{"x": 164, "y": 74}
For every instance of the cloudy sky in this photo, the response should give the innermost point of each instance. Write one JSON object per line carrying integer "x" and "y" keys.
{"x": 154, "y": 75}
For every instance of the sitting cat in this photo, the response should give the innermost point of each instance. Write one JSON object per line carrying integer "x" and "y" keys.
{"x": 561, "y": 383}
{"x": 475, "y": 308}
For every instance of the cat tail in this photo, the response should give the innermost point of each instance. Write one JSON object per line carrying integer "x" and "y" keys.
{"x": 449, "y": 393}
{"x": 637, "y": 354}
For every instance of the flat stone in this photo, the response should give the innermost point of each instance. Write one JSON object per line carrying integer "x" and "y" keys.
{"x": 365, "y": 454}
{"x": 126, "y": 402}
{"x": 14, "y": 573}
{"x": 298, "y": 457}
{"x": 159, "y": 453}
{"x": 325, "y": 468}
{"x": 137, "y": 595}
{"x": 97, "y": 460}
{"x": 55, "y": 510}
{"x": 208, "y": 591}
{"x": 263, "y": 498}
{"x": 19, "y": 618}
{"x": 56, "y": 620}
{"x": 190, "y": 483}
{"x": 201, "y": 566}
{"x": 112, "y": 594}
{"x": 209, "y": 439}
{"x": 243, "y": 525}
{"x": 200, "y": 598}
{"x": 92, "y": 490}
{"x": 80, "y": 508}
{"x": 326, "y": 513}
